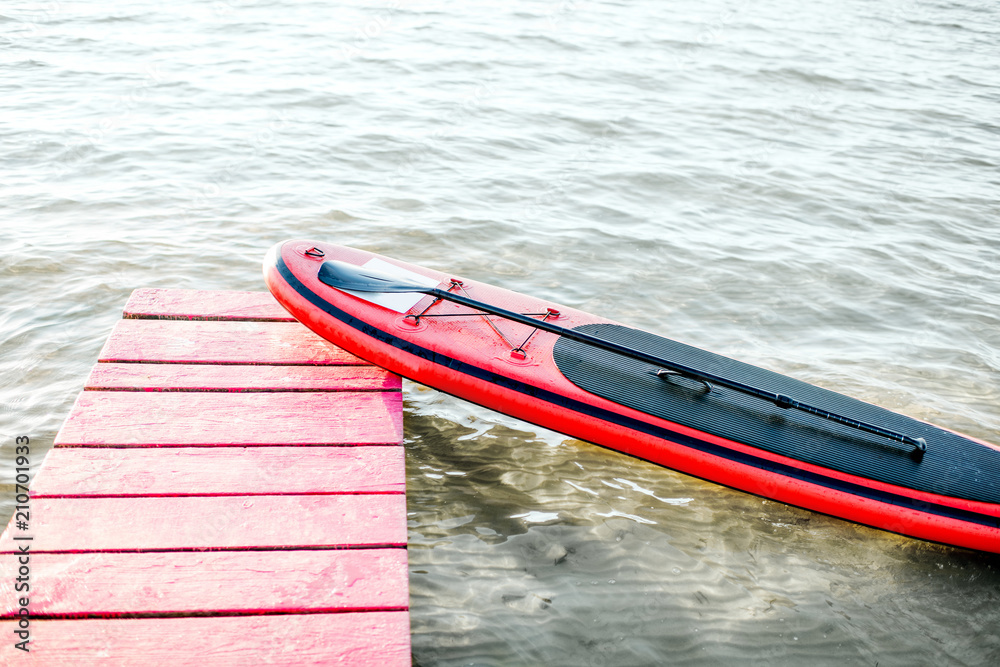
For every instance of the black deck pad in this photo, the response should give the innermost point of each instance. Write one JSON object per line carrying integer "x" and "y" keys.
{"x": 953, "y": 466}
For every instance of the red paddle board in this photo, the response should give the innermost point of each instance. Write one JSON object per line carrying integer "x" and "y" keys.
{"x": 711, "y": 428}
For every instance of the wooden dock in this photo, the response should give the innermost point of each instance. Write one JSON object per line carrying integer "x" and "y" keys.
{"x": 229, "y": 488}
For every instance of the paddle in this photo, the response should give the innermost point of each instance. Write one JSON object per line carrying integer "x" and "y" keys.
{"x": 352, "y": 278}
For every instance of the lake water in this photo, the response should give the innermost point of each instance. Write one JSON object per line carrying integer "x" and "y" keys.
{"x": 807, "y": 186}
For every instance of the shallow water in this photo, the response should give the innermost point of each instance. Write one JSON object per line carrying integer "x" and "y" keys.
{"x": 811, "y": 187}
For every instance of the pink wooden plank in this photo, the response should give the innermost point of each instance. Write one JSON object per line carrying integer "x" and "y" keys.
{"x": 212, "y": 522}
{"x": 230, "y": 582}
{"x": 128, "y": 418}
{"x": 372, "y": 639}
{"x": 92, "y": 471}
{"x": 173, "y": 341}
{"x": 211, "y": 377}
{"x": 190, "y": 304}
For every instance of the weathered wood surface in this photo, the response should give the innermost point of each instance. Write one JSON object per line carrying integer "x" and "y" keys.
{"x": 225, "y": 582}
{"x": 211, "y": 377}
{"x": 177, "y": 497}
{"x": 94, "y": 472}
{"x": 157, "y": 419}
{"x": 190, "y": 304}
{"x": 213, "y": 522}
{"x": 195, "y": 342}
{"x": 371, "y": 639}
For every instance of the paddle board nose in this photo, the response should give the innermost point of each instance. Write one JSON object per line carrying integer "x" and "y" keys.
{"x": 367, "y": 278}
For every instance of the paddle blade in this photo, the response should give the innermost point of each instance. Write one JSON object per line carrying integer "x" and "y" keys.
{"x": 354, "y": 278}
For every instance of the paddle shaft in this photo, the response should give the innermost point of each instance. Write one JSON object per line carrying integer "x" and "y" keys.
{"x": 780, "y": 400}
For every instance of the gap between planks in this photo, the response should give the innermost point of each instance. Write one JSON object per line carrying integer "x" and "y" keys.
{"x": 222, "y": 613}
{"x": 271, "y": 549}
